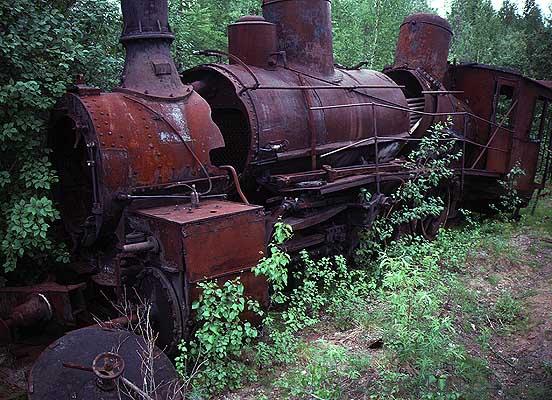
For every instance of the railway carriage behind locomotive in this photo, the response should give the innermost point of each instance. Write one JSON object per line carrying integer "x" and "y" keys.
{"x": 172, "y": 180}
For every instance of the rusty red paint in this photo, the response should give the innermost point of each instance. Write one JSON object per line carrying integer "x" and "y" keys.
{"x": 274, "y": 123}
{"x": 233, "y": 233}
{"x": 253, "y": 40}
{"x": 506, "y": 145}
{"x": 424, "y": 42}
{"x": 26, "y": 306}
{"x": 304, "y": 33}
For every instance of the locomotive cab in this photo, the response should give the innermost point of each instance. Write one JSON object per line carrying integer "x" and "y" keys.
{"x": 518, "y": 108}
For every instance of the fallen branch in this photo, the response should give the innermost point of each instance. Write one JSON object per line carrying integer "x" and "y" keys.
{"x": 500, "y": 357}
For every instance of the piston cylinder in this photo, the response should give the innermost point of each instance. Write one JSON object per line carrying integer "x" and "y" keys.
{"x": 424, "y": 42}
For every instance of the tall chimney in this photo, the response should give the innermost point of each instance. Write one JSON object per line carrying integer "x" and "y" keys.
{"x": 149, "y": 67}
{"x": 424, "y": 42}
{"x": 304, "y": 32}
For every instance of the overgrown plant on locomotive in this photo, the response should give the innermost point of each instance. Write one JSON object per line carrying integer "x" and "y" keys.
{"x": 171, "y": 180}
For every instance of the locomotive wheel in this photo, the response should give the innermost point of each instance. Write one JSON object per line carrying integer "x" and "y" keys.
{"x": 429, "y": 227}
{"x": 156, "y": 290}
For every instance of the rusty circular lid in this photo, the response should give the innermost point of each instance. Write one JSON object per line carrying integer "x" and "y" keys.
{"x": 430, "y": 19}
{"x": 252, "y": 20}
{"x": 68, "y": 368}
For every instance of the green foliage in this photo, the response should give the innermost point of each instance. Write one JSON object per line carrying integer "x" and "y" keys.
{"x": 28, "y": 223}
{"x": 274, "y": 267}
{"x": 415, "y": 290}
{"x": 508, "y": 37}
{"x": 507, "y": 309}
{"x": 426, "y": 359}
{"x": 418, "y": 198}
{"x": 509, "y": 201}
{"x": 430, "y": 165}
{"x": 201, "y": 25}
{"x": 366, "y": 30}
{"x": 42, "y": 45}
{"x": 328, "y": 369}
{"x": 327, "y": 286}
{"x": 213, "y": 356}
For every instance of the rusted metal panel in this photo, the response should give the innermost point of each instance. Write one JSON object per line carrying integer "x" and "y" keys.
{"x": 149, "y": 69}
{"x": 67, "y": 368}
{"x": 277, "y": 120}
{"x": 235, "y": 242}
{"x": 129, "y": 144}
{"x": 217, "y": 239}
{"x": 509, "y": 145}
{"x": 153, "y": 132}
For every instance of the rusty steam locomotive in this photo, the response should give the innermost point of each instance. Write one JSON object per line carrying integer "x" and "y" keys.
{"x": 174, "y": 179}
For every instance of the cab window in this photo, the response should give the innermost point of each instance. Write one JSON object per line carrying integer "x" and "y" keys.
{"x": 539, "y": 120}
{"x": 504, "y": 105}
{"x": 540, "y": 132}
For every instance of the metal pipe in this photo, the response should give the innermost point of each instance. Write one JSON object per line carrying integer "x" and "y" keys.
{"x": 405, "y": 139}
{"x": 218, "y": 53}
{"x": 168, "y": 196}
{"x": 462, "y": 177}
{"x": 393, "y": 107}
{"x": 322, "y": 87}
{"x": 441, "y": 92}
{"x": 236, "y": 180}
{"x": 140, "y": 247}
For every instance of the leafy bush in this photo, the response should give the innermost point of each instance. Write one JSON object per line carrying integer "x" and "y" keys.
{"x": 426, "y": 357}
{"x": 509, "y": 201}
{"x": 43, "y": 44}
{"x": 507, "y": 309}
{"x": 213, "y": 357}
{"x": 418, "y": 198}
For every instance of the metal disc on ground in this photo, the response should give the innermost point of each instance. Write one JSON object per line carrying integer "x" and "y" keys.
{"x": 95, "y": 363}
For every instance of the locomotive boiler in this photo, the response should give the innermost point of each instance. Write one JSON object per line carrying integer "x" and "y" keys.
{"x": 173, "y": 179}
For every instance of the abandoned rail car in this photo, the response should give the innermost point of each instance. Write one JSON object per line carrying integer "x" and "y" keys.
{"x": 173, "y": 179}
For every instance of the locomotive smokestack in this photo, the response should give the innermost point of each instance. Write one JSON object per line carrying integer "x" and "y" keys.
{"x": 149, "y": 67}
{"x": 424, "y": 42}
{"x": 304, "y": 33}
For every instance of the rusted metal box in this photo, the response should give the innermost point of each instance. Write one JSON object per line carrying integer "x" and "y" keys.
{"x": 220, "y": 239}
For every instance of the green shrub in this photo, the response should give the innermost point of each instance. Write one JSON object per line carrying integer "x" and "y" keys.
{"x": 326, "y": 373}
{"x": 507, "y": 309}
{"x": 213, "y": 357}
{"x": 43, "y": 44}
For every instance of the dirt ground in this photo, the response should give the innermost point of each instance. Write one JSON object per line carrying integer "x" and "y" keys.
{"x": 520, "y": 356}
